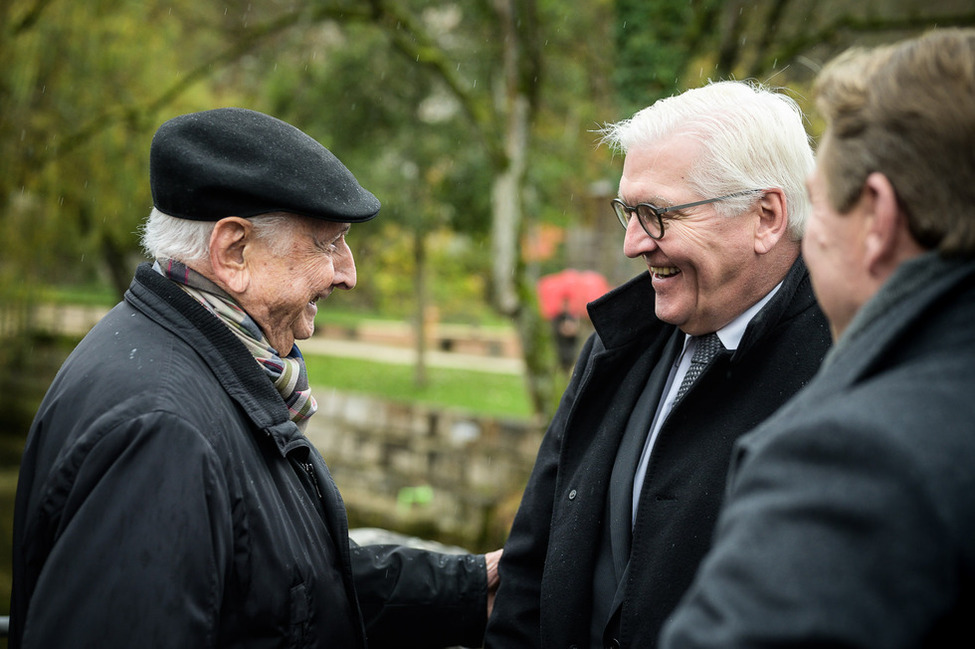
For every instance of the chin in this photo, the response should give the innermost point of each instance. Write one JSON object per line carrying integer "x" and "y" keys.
{"x": 671, "y": 316}
{"x": 304, "y": 331}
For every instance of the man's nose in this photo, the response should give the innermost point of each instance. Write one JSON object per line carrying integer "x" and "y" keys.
{"x": 345, "y": 272}
{"x": 637, "y": 242}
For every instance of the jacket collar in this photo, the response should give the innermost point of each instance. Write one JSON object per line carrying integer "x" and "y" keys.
{"x": 913, "y": 285}
{"x": 793, "y": 297}
{"x": 233, "y": 366}
{"x": 917, "y": 306}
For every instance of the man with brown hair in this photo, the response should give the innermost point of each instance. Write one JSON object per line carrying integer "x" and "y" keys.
{"x": 849, "y": 519}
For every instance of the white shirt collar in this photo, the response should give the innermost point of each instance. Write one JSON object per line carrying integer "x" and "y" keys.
{"x": 731, "y": 334}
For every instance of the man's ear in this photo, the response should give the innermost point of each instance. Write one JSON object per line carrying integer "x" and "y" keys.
{"x": 886, "y": 226}
{"x": 773, "y": 220}
{"x": 228, "y": 243}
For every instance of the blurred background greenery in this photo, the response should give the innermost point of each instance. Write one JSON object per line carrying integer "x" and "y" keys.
{"x": 472, "y": 121}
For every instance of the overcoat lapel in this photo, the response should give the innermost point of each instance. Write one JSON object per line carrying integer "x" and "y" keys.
{"x": 628, "y": 455}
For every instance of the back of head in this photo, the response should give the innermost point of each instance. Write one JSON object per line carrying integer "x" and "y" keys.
{"x": 906, "y": 111}
{"x": 754, "y": 138}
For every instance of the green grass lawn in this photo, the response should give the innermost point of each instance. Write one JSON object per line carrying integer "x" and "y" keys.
{"x": 80, "y": 295}
{"x": 485, "y": 393}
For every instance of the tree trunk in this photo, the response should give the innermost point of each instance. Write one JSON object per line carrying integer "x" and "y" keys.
{"x": 420, "y": 377}
{"x": 514, "y": 291}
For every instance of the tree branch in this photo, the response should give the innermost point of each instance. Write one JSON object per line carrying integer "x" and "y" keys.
{"x": 136, "y": 113}
{"x": 772, "y": 23}
{"x": 30, "y": 18}
{"x": 410, "y": 38}
{"x": 830, "y": 33}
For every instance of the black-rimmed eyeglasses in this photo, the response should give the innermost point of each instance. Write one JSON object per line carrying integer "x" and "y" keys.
{"x": 651, "y": 217}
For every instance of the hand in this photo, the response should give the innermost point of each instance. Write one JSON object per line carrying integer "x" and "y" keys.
{"x": 491, "y": 560}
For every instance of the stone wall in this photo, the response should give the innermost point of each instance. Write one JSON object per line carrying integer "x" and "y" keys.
{"x": 434, "y": 473}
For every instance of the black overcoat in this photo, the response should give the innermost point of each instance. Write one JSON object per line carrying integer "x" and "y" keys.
{"x": 166, "y": 500}
{"x": 545, "y": 598}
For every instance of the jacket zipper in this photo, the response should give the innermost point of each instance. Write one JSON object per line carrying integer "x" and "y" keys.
{"x": 310, "y": 470}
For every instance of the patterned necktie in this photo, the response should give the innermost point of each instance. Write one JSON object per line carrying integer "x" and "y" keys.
{"x": 708, "y": 346}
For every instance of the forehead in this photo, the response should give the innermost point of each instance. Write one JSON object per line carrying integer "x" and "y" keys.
{"x": 659, "y": 171}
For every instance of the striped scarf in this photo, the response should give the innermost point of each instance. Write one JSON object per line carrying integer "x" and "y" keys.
{"x": 288, "y": 374}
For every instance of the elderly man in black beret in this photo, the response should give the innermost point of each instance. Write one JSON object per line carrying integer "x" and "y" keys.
{"x": 167, "y": 495}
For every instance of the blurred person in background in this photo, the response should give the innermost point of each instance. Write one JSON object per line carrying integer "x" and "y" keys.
{"x": 627, "y": 484}
{"x": 167, "y": 494}
{"x": 850, "y": 515}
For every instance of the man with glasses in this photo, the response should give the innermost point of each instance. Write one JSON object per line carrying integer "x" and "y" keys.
{"x": 687, "y": 357}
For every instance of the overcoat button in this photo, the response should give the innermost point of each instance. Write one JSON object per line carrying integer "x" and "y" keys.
{"x": 572, "y": 495}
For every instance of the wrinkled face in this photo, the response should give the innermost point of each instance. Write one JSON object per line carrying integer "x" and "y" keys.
{"x": 285, "y": 288}
{"x": 704, "y": 269}
{"x": 830, "y": 249}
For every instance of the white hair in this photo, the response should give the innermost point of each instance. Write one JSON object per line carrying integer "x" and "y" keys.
{"x": 753, "y": 138}
{"x": 168, "y": 237}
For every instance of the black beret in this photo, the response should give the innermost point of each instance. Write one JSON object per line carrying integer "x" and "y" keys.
{"x": 238, "y": 162}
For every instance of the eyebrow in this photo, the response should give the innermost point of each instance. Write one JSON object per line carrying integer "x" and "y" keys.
{"x": 656, "y": 201}
{"x": 320, "y": 239}
{"x": 334, "y": 234}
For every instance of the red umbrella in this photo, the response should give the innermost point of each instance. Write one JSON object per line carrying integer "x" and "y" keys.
{"x": 569, "y": 290}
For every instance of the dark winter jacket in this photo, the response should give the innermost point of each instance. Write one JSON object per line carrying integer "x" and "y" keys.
{"x": 166, "y": 500}
{"x": 850, "y": 515}
{"x": 546, "y": 593}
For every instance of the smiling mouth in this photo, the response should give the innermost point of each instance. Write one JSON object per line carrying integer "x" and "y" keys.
{"x": 664, "y": 271}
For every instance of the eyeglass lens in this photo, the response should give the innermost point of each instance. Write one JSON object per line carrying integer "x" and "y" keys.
{"x": 649, "y": 219}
